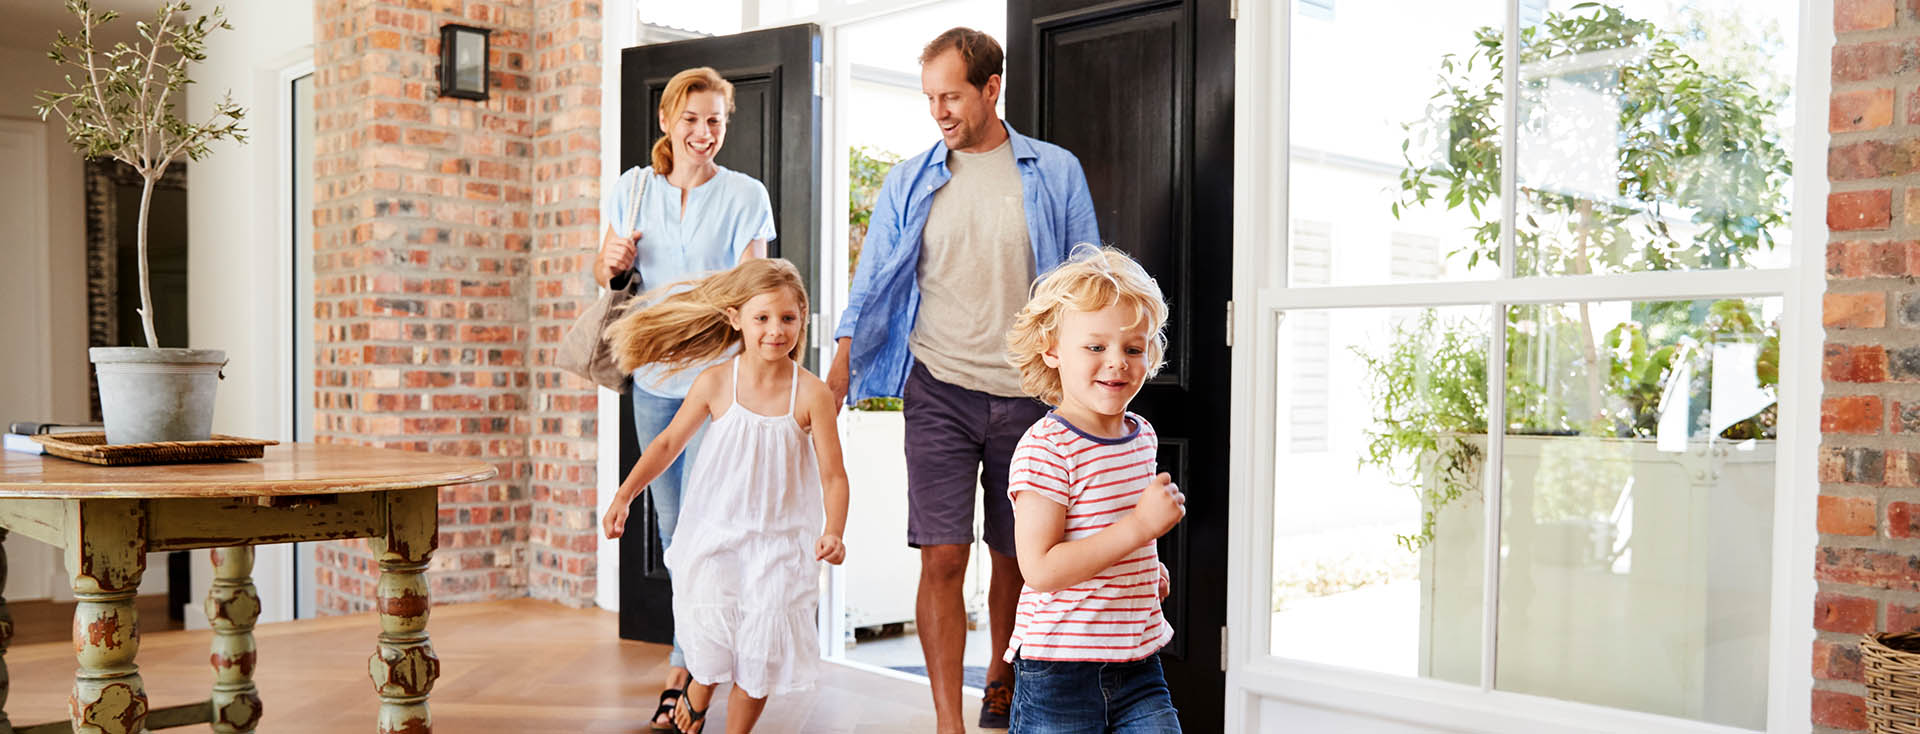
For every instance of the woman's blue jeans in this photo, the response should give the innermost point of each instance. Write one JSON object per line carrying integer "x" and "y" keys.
{"x": 651, "y": 414}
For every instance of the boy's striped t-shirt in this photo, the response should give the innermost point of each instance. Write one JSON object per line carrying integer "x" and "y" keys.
{"x": 1114, "y": 616}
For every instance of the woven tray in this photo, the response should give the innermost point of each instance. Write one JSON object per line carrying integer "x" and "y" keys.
{"x": 1891, "y": 663}
{"x": 94, "y": 449}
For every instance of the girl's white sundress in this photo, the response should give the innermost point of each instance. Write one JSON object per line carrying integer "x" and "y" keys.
{"x": 745, "y": 582}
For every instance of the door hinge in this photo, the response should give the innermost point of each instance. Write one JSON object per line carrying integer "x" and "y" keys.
{"x": 1229, "y": 324}
{"x": 1223, "y": 648}
{"x": 1233, "y": 10}
{"x": 813, "y": 330}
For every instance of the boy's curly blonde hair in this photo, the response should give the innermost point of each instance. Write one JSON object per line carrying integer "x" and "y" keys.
{"x": 1093, "y": 278}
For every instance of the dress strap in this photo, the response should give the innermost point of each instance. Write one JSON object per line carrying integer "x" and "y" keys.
{"x": 736, "y": 383}
{"x": 793, "y": 391}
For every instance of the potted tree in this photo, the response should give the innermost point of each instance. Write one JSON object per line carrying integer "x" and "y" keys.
{"x": 119, "y": 104}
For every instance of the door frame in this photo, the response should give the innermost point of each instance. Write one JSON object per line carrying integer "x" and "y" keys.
{"x": 296, "y": 309}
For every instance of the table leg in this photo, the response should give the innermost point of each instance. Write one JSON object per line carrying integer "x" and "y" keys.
{"x": 107, "y": 555}
{"x": 233, "y": 606}
{"x": 404, "y": 666}
{"x": 6, "y": 636}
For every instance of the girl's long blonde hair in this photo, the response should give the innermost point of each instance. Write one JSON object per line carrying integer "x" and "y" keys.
{"x": 687, "y": 328}
{"x": 674, "y": 99}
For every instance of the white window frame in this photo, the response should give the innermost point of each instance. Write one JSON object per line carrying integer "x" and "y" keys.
{"x": 1255, "y": 678}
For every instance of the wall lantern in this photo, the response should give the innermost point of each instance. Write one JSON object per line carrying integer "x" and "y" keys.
{"x": 463, "y": 61}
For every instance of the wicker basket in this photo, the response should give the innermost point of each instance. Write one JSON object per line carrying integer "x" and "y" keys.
{"x": 94, "y": 449}
{"x": 1892, "y": 666}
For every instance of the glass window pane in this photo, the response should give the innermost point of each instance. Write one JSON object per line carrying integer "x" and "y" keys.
{"x": 1655, "y": 135}
{"x": 1369, "y": 139}
{"x": 1378, "y": 525}
{"x": 1637, "y": 505}
{"x": 713, "y": 19}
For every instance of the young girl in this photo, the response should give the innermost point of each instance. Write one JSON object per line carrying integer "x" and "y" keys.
{"x": 1087, "y": 505}
{"x": 742, "y": 561}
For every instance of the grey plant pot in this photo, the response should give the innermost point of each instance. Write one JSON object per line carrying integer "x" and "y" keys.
{"x": 151, "y": 395}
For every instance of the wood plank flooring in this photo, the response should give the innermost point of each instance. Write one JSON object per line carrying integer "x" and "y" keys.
{"x": 517, "y": 666}
{"x": 52, "y": 621}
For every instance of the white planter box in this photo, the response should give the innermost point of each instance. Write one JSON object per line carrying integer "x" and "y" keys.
{"x": 1656, "y": 601}
{"x": 883, "y": 574}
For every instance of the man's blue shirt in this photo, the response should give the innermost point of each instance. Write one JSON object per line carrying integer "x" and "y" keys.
{"x": 885, "y": 297}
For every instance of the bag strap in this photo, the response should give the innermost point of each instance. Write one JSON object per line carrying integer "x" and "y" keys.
{"x": 633, "y": 206}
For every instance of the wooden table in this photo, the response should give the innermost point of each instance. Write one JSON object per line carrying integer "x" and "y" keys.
{"x": 108, "y": 518}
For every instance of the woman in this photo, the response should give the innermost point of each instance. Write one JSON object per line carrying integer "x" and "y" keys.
{"x": 694, "y": 217}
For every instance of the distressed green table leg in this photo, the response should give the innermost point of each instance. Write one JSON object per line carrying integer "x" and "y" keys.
{"x": 404, "y": 667}
{"x": 233, "y": 606}
{"x": 6, "y": 637}
{"x": 106, "y": 552}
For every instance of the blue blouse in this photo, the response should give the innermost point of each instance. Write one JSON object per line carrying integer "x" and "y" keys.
{"x": 722, "y": 217}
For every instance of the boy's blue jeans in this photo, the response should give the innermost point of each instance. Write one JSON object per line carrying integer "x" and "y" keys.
{"x": 1092, "y": 698}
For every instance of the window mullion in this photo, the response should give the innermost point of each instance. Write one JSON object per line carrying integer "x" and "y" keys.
{"x": 1497, "y": 353}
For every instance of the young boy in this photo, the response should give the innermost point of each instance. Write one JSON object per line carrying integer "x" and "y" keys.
{"x": 1087, "y": 505}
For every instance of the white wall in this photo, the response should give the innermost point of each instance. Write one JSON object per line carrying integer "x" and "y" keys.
{"x": 22, "y": 73}
{"x": 238, "y": 266}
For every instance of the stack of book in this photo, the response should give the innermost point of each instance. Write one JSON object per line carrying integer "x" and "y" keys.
{"x": 19, "y": 432}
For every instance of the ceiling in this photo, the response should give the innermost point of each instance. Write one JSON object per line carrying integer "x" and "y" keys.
{"x": 30, "y": 24}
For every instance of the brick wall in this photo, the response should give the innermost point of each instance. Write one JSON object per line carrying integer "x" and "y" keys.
{"x": 1868, "y": 562}
{"x": 428, "y": 282}
{"x": 566, "y": 216}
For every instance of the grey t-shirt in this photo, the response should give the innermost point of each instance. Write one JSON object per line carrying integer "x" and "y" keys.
{"x": 976, "y": 263}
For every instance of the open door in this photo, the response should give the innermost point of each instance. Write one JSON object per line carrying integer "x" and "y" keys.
{"x": 1142, "y": 92}
{"x": 774, "y": 136}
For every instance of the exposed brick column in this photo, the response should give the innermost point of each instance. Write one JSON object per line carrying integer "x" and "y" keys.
{"x": 1868, "y": 562}
{"x": 566, "y": 216}
{"x": 421, "y": 244}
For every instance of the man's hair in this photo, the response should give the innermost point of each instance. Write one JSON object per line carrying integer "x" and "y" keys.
{"x": 978, "y": 51}
{"x": 1093, "y": 278}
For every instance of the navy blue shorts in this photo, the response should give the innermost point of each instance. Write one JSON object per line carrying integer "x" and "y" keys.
{"x": 953, "y": 435}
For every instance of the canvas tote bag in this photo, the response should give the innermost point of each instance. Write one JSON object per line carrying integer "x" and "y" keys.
{"x": 584, "y": 350}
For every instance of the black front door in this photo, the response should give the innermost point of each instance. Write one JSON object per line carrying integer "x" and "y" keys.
{"x": 773, "y": 136}
{"x": 1142, "y": 92}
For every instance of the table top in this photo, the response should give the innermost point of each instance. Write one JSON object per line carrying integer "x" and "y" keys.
{"x": 286, "y": 469}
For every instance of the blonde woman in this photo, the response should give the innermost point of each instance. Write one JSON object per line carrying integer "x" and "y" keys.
{"x": 694, "y": 216}
{"x": 772, "y": 498}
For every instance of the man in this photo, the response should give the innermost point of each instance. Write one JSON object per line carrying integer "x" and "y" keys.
{"x": 957, "y": 235}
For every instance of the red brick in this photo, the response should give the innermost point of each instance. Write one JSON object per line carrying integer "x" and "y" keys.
{"x": 1850, "y": 414}
{"x": 1869, "y": 567}
{"x": 1839, "y": 710}
{"x": 1866, "y": 310}
{"x": 1861, "y": 109}
{"x": 1860, "y": 210}
{"x": 1902, "y": 618}
{"x": 1861, "y": 15}
{"x": 1842, "y": 613}
{"x": 1844, "y": 363}
{"x": 1873, "y": 159}
{"x": 1848, "y": 515}
{"x": 1900, "y": 520}
{"x": 1859, "y": 62}
{"x": 1837, "y": 661}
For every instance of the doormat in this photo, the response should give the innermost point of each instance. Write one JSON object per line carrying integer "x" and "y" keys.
{"x": 973, "y": 675}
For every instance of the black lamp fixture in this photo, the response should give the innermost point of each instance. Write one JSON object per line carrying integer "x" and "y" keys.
{"x": 463, "y": 61}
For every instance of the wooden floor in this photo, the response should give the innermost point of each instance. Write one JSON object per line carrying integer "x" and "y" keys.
{"x": 52, "y": 621}
{"x": 518, "y": 666}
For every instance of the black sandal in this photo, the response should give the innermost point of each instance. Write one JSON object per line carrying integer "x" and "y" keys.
{"x": 666, "y": 708}
{"x": 693, "y": 717}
